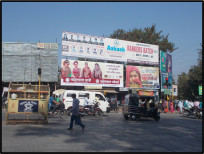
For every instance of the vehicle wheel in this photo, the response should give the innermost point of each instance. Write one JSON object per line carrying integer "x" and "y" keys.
{"x": 126, "y": 117}
{"x": 96, "y": 113}
{"x": 116, "y": 109}
{"x": 132, "y": 117}
{"x": 184, "y": 114}
{"x": 100, "y": 113}
{"x": 157, "y": 118}
{"x": 63, "y": 113}
{"x": 68, "y": 111}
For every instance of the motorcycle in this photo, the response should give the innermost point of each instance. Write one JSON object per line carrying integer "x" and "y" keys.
{"x": 114, "y": 107}
{"x": 198, "y": 113}
{"x": 192, "y": 112}
{"x": 96, "y": 111}
{"x": 84, "y": 111}
{"x": 60, "y": 111}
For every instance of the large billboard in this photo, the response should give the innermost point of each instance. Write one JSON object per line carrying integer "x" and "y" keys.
{"x": 142, "y": 77}
{"x": 93, "y": 47}
{"x": 132, "y": 52}
{"x": 86, "y": 73}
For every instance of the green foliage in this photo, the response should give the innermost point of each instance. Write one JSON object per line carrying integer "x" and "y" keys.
{"x": 188, "y": 83}
{"x": 147, "y": 35}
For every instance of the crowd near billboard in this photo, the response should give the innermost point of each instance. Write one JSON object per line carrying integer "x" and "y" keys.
{"x": 132, "y": 52}
{"x": 142, "y": 77}
{"x": 86, "y": 73}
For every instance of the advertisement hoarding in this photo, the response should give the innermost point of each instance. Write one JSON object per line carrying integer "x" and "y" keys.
{"x": 163, "y": 81}
{"x": 93, "y": 47}
{"x": 175, "y": 90}
{"x": 86, "y": 73}
{"x": 132, "y": 52}
{"x": 81, "y": 45}
{"x": 166, "y": 70}
{"x": 83, "y": 50}
{"x": 168, "y": 63}
{"x": 163, "y": 61}
{"x": 142, "y": 77}
{"x": 200, "y": 90}
{"x": 115, "y": 49}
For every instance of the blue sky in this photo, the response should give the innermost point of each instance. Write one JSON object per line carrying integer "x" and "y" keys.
{"x": 45, "y": 21}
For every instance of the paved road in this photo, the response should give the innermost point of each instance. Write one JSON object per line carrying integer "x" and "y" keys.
{"x": 112, "y": 132}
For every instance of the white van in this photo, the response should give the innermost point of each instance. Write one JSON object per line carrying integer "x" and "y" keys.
{"x": 67, "y": 99}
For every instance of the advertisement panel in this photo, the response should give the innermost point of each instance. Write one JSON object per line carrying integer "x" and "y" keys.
{"x": 168, "y": 63}
{"x": 83, "y": 50}
{"x": 83, "y": 38}
{"x": 86, "y": 73}
{"x": 200, "y": 90}
{"x": 175, "y": 90}
{"x": 115, "y": 49}
{"x": 142, "y": 77}
{"x": 163, "y": 81}
{"x": 48, "y": 45}
{"x": 81, "y": 45}
{"x": 93, "y": 47}
{"x": 163, "y": 61}
{"x": 132, "y": 52}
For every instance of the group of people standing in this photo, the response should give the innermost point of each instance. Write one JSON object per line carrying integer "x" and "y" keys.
{"x": 168, "y": 106}
{"x": 77, "y": 72}
{"x": 188, "y": 104}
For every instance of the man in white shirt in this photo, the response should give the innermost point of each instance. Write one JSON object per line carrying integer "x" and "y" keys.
{"x": 191, "y": 104}
{"x": 13, "y": 95}
{"x": 87, "y": 103}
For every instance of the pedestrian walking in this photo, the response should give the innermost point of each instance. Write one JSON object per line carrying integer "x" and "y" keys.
{"x": 180, "y": 104}
{"x": 75, "y": 113}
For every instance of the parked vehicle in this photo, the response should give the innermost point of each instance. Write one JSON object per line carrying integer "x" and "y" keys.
{"x": 133, "y": 110}
{"x": 67, "y": 99}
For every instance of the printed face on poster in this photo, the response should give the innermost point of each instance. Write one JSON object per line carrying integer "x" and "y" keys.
{"x": 168, "y": 63}
{"x": 142, "y": 77}
{"x": 86, "y": 73}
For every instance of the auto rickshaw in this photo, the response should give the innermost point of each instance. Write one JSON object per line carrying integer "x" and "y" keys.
{"x": 133, "y": 108}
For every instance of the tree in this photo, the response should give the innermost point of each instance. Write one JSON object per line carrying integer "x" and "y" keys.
{"x": 147, "y": 35}
{"x": 188, "y": 83}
